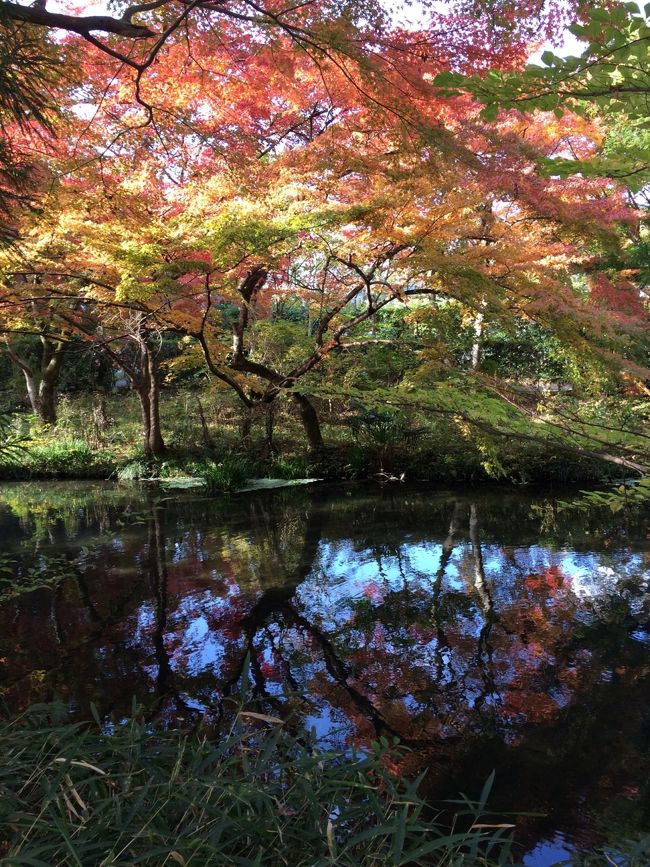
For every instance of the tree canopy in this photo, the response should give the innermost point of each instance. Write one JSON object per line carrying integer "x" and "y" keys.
{"x": 269, "y": 183}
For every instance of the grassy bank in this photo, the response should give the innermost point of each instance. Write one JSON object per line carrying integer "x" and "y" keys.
{"x": 204, "y": 436}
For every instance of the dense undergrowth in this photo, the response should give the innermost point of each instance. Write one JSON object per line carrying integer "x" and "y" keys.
{"x": 210, "y": 446}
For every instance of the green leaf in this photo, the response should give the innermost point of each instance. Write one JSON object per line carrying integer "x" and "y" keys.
{"x": 490, "y": 113}
{"x": 446, "y": 79}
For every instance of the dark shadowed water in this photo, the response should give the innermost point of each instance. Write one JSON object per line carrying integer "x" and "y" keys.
{"x": 487, "y": 630}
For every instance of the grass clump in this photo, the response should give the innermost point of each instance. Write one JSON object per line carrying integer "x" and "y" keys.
{"x": 134, "y": 470}
{"x": 217, "y": 475}
{"x": 226, "y": 475}
{"x": 253, "y": 795}
{"x": 59, "y": 460}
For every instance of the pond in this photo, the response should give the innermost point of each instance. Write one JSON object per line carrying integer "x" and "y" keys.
{"x": 489, "y": 630}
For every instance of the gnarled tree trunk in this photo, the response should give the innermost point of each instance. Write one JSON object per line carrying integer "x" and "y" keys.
{"x": 41, "y": 383}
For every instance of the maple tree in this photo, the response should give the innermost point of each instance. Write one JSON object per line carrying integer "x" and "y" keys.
{"x": 609, "y": 78}
{"x": 201, "y": 209}
{"x": 318, "y": 208}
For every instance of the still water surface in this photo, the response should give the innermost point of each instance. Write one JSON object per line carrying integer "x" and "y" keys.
{"x": 487, "y": 630}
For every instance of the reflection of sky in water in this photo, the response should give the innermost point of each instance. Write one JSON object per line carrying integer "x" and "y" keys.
{"x": 549, "y": 853}
{"x": 347, "y": 570}
{"x": 201, "y": 647}
{"x": 343, "y": 575}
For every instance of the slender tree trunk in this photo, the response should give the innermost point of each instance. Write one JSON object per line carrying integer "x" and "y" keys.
{"x": 145, "y": 410}
{"x": 311, "y": 423}
{"x": 205, "y": 430}
{"x": 270, "y": 418}
{"x": 152, "y": 438}
{"x": 479, "y": 321}
{"x": 246, "y": 427}
{"x": 156, "y": 442}
{"x": 478, "y": 341}
{"x": 147, "y": 386}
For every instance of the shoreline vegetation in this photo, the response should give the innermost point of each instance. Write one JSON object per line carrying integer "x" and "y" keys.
{"x": 254, "y": 791}
{"x": 97, "y": 437}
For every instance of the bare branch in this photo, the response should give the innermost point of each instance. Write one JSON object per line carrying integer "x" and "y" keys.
{"x": 83, "y": 24}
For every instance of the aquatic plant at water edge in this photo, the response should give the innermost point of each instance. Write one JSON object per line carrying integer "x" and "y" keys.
{"x": 256, "y": 794}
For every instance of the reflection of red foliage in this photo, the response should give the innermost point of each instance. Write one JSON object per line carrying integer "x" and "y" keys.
{"x": 527, "y": 705}
{"x": 268, "y": 671}
{"x": 552, "y": 579}
{"x": 373, "y": 591}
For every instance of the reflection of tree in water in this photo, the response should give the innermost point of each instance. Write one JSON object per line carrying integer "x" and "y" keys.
{"x": 155, "y": 563}
{"x": 404, "y": 616}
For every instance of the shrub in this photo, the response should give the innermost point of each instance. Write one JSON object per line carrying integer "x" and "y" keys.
{"x": 11, "y": 441}
{"x": 59, "y": 460}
